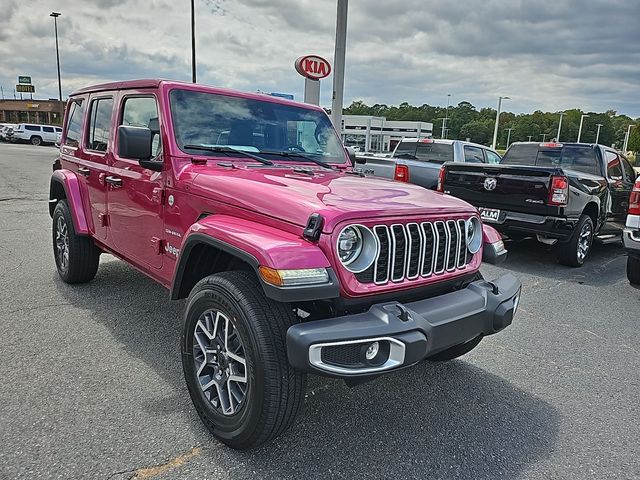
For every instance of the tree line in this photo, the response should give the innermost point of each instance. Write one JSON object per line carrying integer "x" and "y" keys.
{"x": 465, "y": 121}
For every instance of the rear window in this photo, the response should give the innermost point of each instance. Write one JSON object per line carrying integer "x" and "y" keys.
{"x": 428, "y": 152}
{"x": 574, "y": 157}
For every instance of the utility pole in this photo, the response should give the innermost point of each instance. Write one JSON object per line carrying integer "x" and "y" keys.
{"x": 559, "y": 126}
{"x": 495, "y": 130}
{"x": 338, "y": 65}
{"x": 626, "y": 139}
{"x": 584, "y": 115}
{"x": 599, "y": 125}
{"x": 508, "y": 135}
{"x": 55, "y": 16}
{"x": 193, "y": 42}
{"x": 446, "y": 118}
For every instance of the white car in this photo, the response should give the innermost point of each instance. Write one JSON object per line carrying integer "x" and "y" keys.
{"x": 4, "y": 130}
{"x": 34, "y": 133}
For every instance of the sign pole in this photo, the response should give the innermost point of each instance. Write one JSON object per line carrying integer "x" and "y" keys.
{"x": 338, "y": 65}
{"x": 312, "y": 91}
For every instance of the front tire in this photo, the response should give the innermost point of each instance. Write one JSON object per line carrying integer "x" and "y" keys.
{"x": 633, "y": 270}
{"x": 76, "y": 256}
{"x": 235, "y": 363}
{"x": 574, "y": 252}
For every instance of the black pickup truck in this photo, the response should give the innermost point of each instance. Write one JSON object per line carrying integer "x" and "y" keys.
{"x": 563, "y": 193}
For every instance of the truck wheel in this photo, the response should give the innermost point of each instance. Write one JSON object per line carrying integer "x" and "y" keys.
{"x": 574, "y": 252}
{"x": 36, "y": 141}
{"x": 76, "y": 256}
{"x": 455, "y": 351}
{"x": 235, "y": 363}
{"x": 633, "y": 270}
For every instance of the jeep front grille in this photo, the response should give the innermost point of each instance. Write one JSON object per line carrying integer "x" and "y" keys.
{"x": 413, "y": 250}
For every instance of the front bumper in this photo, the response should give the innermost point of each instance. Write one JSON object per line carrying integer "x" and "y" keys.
{"x": 405, "y": 333}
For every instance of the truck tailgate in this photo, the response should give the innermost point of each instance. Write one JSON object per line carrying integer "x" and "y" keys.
{"x": 522, "y": 189}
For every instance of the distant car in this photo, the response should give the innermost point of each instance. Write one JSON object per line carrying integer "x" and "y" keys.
{"x": 34, "y": 134}
{"x": 631, "y": 236}
{"x": 5, "y": 128}
{"x": 418, "y": 161}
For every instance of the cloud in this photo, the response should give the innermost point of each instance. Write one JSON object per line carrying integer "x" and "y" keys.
{"x": 548, "y": 55}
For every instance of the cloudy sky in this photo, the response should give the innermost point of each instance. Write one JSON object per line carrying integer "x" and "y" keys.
{"x": 545, "y": 54}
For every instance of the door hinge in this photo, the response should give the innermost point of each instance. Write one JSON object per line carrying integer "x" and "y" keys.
{"x": 157, "y": 245}
{"x": 104, "y": 219}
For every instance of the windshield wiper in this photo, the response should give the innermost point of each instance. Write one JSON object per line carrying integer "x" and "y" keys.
{"x": 298, "y": 155}
{"x": 208, "y": 148}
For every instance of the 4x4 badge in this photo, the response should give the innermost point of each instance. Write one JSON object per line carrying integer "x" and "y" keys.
{"x": 490, "y": 184}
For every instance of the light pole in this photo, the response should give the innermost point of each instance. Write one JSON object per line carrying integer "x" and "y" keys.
{"x": 508, "y": 135}
{"x": 530, "y": 137}
{"x": 338, "y": 64}
{"x": 446, "y": 118}
{"x": 495, "y": 130}
{"x": 626, "y": 139}
{"x": 559, "y": 126}
{"x": 544, "y": 137}
{"x": 55, "y": 16}
{"x": 584, "y": 115}
{"x": 193, "y": 42}
{"x": 599, "y": 125}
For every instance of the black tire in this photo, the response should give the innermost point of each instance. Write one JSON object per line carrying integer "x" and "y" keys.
{"x": 573, "y": 253}
{"x": 82, "y": 259}
{"x": 633, "y": 269}
{"x": 274, "y": 390}
{"x": 35, "y": 140}
{"x": 455, "y": 351}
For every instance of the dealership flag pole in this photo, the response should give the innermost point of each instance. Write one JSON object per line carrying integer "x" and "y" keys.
{"x": 338, "y": 65}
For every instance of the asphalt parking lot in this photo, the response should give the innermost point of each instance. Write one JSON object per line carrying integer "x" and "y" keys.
{"x": 92, "y": 382}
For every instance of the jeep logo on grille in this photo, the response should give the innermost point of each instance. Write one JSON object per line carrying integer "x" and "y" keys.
{"x": 490, "y": 184}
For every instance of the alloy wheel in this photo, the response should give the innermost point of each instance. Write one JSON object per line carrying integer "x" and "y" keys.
{"x": 220, "y": 362}
{"x": 584, "y": 241}
{"x": 62, "y": 243}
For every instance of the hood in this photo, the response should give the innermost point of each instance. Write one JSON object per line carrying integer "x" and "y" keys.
{"x": 290, "y": 196}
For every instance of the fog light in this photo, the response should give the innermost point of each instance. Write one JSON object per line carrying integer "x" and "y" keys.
{"x": 372, "y": 351}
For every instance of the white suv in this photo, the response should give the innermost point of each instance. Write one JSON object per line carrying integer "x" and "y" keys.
{"x": 34, "y": 134}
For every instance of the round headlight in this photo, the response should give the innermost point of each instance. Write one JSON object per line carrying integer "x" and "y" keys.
{"x": 357, "y": 248}
{"x": 474, "y": 235}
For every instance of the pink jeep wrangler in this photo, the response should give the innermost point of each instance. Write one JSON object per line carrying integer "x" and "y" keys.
{"x": 292, "y": 262}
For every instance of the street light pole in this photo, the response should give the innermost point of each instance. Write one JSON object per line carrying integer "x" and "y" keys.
{"x": 55, "y": 16}
{"x": 559, "y": 127}
{"x": 446, "y": 117}
{"x": 584, "y": 115}
{"x": 495, "y": 130}
{"x": 530, "y": 137}
{"x": 544, "y": 136}
{"x": 193, "y": 42}
{"x": 626, "y": 139}
{"x": 599, "y": 125}
{"x": 338, "y": 64}
{"x": 508, "y": 135}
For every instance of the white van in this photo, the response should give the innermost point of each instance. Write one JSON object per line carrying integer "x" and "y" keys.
{"x": 34, "y": 134}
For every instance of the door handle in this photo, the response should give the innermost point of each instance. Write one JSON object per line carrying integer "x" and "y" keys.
{"x": 115, "y": 182}
{"x": 84, "y": 171}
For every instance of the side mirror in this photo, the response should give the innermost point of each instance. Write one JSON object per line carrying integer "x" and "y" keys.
{"x": 352, "y": 155}
{"x": 135, "y": 143}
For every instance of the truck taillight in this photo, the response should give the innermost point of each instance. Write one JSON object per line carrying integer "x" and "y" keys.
{"x": 558, "y": 191}
{"x": 402, "y": 173}
{"x": 442, "y": 175}
{"x": 634, "y": 199}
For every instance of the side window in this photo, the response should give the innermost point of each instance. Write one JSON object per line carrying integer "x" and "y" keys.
{"x": 629, "y": 172}
{"x": 143, "y": 112}
{"x": 58, "y": 129}
{"x": 74, "y": 124}
{"x": 32, "y": 128}
{"x": 99, "y": 124}
{"x": 48, "y": 129}
{"x": 492, "y": 157}
{"x": 473, "y": 154}
{"x": 614, "y": 167}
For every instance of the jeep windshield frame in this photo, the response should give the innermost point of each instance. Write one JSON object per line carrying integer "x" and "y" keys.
{"x": 253, "y": 126}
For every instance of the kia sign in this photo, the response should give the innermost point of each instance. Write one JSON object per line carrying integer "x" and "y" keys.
{"x": 313, "y": 67}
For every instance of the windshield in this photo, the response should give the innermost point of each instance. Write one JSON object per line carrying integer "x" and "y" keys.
{"x": 213, "y": 120}
{"x": 575, "y": 157}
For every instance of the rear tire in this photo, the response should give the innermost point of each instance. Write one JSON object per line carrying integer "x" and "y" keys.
{"x": 455, "y": 351}
{"x": 633, "y": 270}
{"x": 35, "y": 140}
{"x": 244, "y": 389}
{"x": 76, "y": 256}
{"x": 574, "y": 252}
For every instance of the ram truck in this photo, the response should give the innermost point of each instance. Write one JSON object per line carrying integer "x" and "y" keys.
{"x": 631, "y": 236}
{"x": 290, "y": 262}
{"x": 559, "y": 193}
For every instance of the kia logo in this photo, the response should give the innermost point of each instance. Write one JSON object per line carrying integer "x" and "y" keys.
{"x": 490, "y": 184}
{"x": 313, "y": 67}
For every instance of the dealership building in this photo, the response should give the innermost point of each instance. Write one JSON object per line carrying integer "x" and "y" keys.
{"x": 47, "y": 112}
{"x": 377, "y": 134}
